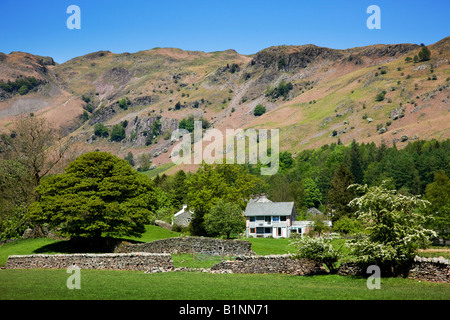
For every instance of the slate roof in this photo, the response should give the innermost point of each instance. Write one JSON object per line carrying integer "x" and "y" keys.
{"x": 269, "y": 209}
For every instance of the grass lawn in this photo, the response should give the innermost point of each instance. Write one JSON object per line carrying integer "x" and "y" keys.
{"x": 267, "y": 246}
{"x": 153, "y": 233}
{"x": 43, "y": 284}
{"x": 104, "y": 285}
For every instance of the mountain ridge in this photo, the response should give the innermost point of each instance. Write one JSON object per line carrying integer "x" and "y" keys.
{"x": 332, "y": 96}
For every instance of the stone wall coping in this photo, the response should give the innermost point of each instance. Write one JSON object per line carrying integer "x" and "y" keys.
{"x": 432, "y": 260}
{"x": 93, "y": 255}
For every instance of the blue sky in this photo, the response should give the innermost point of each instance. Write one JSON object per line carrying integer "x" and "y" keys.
{"x": 39, "y": 27}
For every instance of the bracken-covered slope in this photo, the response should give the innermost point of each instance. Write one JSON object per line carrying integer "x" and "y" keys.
{"x": 314, "y": 95}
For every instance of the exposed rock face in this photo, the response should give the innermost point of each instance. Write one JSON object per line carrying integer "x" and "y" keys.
{"x": 142, "y": 101}
{"x": 389, "y": 50}
{"x": 288, "y": 58}
{"x": 104, "y": 114}
{"x": 118, "y": 76}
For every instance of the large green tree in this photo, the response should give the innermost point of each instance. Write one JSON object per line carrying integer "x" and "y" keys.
{"x": 313, "y": 196}
{"x": 99, "y": 194}
{"x": 231, "y": 183}
{"x": 224, "y": 218}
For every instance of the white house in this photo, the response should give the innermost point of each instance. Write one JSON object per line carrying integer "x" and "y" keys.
{"x": 183, "y": 217}
{"x": 265, "y": 218}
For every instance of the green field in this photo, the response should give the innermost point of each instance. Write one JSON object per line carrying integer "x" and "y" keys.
{"x": 105, "y": 285}
{"x": 134, "y": 285}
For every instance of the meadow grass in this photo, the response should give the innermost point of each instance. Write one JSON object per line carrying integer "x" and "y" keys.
{"x": 43, "y": 284}
{"x": 158, "y": 170}
{"x": 50, "y": 284}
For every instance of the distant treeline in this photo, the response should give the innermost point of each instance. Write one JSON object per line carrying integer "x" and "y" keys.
{"x": 309, "y": 178}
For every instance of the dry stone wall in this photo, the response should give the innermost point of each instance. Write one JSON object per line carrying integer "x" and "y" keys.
{"x": 423, "y": 269}
{"x": 430, "y": 269}
{"x": 108, "y": 261}
{"x": 286, "y": 264}
{"x": 191, "y": 245}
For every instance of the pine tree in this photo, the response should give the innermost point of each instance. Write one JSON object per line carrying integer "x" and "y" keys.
{"x": 356, "y": 163}
{"x": 339, "y": 195}
{"x": 438, "y": 193}
{"x": 424, "y": 54}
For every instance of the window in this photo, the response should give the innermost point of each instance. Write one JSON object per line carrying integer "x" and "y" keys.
{"x": 252, "y": 219}
{"x": 252, "y": 230}
{"x": 275, "y": 219}
{"x": 283, "y": 218}
{"x": 259, "y": 230}
{"x": 260, "y": 218}
{"x": 267, "y": 230}
{"x": 268, "y": 219}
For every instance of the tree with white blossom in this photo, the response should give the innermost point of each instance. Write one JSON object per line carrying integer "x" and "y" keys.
{"x": 395, "y": 225}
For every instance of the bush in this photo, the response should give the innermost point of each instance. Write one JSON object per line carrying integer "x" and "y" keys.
{"x": 188, "y": 124}
{"x": 123, "y": 104}
{"x": 380, "y": 96}
{"x": 282, "y": 89}
{"x": 118, "y": 133}
{"x": 318, "y": 249}
{"x": 84, "y": 116}
{"x": 23, "y": 90}
{"x": 348, "y": 226}
{"x": 259, "y": 110}
{"x": 100, "y": 130}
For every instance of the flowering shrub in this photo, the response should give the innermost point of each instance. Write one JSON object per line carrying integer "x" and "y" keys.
{"x": 395, "y": 226}
{"x": 318, "y": 249}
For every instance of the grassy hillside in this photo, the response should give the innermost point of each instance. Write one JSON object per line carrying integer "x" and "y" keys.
{"x": 333, "y": 96}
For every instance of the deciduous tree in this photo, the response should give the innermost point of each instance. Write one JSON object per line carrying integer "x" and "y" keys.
{"x": 98, "y": 194}
{"x": 224, "y": 218}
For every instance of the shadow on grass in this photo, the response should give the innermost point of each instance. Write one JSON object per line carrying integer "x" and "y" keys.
{"x": 81, "y": 245}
